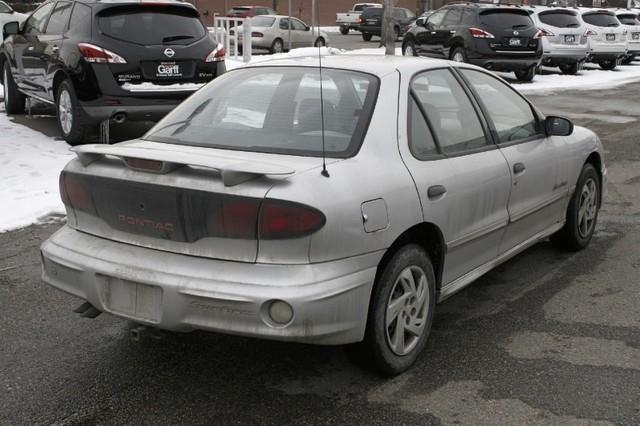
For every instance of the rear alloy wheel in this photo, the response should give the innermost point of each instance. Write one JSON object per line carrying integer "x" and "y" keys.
{"x": 582, "y": 212}
{"x": 367, "y": 36}
{"x": 608, "y": 65}
{"x": 277, "y": 46}
{"x": 72, "y": 120}
{"x": 401, "y": 312}
{"x": 526, "y": 75}
{"x": 409, "y": 48}
{"x": 458, "y": 55}
{"x": 344, "y": 30}
{"x": 13, "y": 99}
{"x": 320, "y": 42}
{"x": 570, "y": 69}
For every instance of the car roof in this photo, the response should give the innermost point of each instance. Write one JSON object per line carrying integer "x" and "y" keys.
{"x": 139, "y": 2}
{"x": 372, "y": 64}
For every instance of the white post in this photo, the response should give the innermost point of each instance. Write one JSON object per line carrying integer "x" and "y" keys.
{"x": 247, "y": 45}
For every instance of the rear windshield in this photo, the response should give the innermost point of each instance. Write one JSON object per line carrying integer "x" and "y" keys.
{"x": 629, "y": 19}
{"x": 240, "y": 9}
{"x": 559, "y": 19}
{"x": 361, "y": 7}
{"x": 500, "y": 18}
{"x": 261, "y": 21}
{"x": 281, "y": 115}
{"x": 601, "y": 19}
{"x": 372, "y": 12}
{"x": 152, "y": 25}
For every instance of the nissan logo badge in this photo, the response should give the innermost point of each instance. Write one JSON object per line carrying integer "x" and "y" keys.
{"x": 169, "y": 52}
{"x": 514, "y": 33}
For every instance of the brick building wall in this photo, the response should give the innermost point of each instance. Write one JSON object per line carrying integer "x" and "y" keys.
{"x": 299, "y": 8}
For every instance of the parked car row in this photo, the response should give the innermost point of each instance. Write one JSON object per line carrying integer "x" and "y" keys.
{"x": 97, "y": 61}
{"x": 520, "y": 39}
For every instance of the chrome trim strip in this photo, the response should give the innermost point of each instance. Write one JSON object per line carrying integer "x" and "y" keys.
{"x": 460, "y": 283}
{"x": 477, "y": 234}
{"x": 47, "y": 101}
{"x": 534, "y": 209}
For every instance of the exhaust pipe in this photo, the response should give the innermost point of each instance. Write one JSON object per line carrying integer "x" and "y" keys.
{"x": 119, "y": 117}
{"x": 87, "y": 310}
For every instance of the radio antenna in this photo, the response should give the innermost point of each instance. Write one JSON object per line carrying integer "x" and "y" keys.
{"x": 324, "y": 172}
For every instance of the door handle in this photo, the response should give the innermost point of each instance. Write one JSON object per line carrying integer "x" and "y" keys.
{"x": 518, "y": 168}
{"x": 436, "y": 191}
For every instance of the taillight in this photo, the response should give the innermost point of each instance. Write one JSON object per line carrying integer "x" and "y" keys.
{"x": 478, "y": 33}
{"x": 96, "y": 54}
{"x": 259, "y": 35}
{"x": 285, "y": 219}
{"x": 589, "y": 33}
{"x": 543, "y": 33}
{"x": 359, "y": 20}
{"x": 235, "y": 219}
{"x": 216, "y": 55}
{"x": 74, "y": 193}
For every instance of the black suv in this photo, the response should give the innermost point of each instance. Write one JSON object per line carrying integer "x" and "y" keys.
{"x": 370, "y": 22}
{"x": 106, "y": 60}
{"x": 500, "y": 38}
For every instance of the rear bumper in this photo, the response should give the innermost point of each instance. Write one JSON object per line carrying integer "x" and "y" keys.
{"x": 506, "y": 63}
{"x": 134, "y": 109}
{"x": 607, "y": 49}
{"x": 330, "y": 300}
{"x": 561, "y": 55}
{"x": 369, "y": 29}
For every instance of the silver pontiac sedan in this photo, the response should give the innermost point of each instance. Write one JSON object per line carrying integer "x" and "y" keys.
{"x": 272, "y": 32}
{"x": 264, "y": 207}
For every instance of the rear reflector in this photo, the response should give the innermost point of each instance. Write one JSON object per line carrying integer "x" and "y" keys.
{"x": 285, "y": 219}
{"x": 217, "y": 55}
{"x": 98, "y": 55}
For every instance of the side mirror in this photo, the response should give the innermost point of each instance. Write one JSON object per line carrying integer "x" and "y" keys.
{"x": 11, "y": 28}
{"x": 307, "y": 28}
{"x": 558, "y": 126}
{"x": 421, "y": 22}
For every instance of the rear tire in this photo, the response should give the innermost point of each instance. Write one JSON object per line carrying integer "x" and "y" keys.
{"x": 608, "y": 65}
{"x": 14, "y": 100}
{"x": 570, "y": 69}
{"x": 367, "y": 36}
{"x": 344, "y": 30}
{"x": 582, "y": 212}
{"x": 72, "y": 120}
{"x": 277, "y": 46}
{"x": 526, "y": 75}
{"x": 400, "y": 313}
{"x": 320, "y": 42}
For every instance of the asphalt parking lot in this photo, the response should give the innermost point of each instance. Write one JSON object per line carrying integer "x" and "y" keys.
{"x": 547, "y": 338}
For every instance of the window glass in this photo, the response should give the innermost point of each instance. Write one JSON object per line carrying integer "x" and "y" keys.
{"x": 282, "y": 115}
{"x": 449, "y": 111}
{"x": 453, "y": 17}
{"x": 512, "y": 116}
{"x": 284, "y": 24}
{"x": 468, "y": 16}
{"x": 399, "y": 14}
{"x": 80, "y": 25}
{"x": 152, "y": 25}
{"x": 298, "y": 25}
{"x": 59, "y": 18}
{"x": 601, "y": 19}
{"x": 436, "y": 19}
{"x": 36, "y": 22}
{"x": 4, "y": 8}
{"x": 421, "y": 140}
{"x": 559, "y": 19}
{"x": 506, "y": 18}
{"x": 629, "y": 19}
{"x": 262, "y": 21}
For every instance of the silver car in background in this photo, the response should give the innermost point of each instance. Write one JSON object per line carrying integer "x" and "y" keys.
{"x": 607, "y": 37}
{"x": 631, "y": 21}
{"x": 271, "y": 32}
{"x": 564, "y": 43}
{"x": 7, "y": 14}
{"x": 224, "y": 217}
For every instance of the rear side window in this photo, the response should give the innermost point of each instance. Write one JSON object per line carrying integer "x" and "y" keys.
{"x": 512, "y": 116}
{"x": 59, "y": 18}
{"x": 498, "y": 18}
{"x": 559, "y": 19}
{"x": 601, "y": 19}
{"x": 629, "y": 19}
{"x": 152, "y": 25}
{"x": 453, "y": 17}
{"x": 449, "y": 111}
{"x": 372, "y": 12}
{"x": 80, "y": 25}
{"x": 421, "y": 140}
{"x": 262, "y": 21}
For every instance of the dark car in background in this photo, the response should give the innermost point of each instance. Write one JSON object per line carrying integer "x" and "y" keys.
{"x": 370, "y": 22}
{"x": 499, "y": 38}
{"x": 249, "y": 11}
{"x": 100, "y": 61}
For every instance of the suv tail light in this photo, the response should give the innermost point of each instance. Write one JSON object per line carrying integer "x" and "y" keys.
{"x": 285, "y": 219}
{"x": 217, "y": 55}
{"x": 74, "y": 193}
{"x": 589, "y": 33}
{"x": 478, "y": 33}
{"x": 98, "y": 55}
{"x": 359, "y": 20}
{"x": 543, "y": 33}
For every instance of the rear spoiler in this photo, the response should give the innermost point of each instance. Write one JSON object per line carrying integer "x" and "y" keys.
{"x": 233, "y": 170}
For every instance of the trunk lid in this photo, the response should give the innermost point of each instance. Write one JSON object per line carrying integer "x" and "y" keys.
{"x": 513, "y": 29}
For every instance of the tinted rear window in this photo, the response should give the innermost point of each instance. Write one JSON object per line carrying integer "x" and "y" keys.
{"x": 372, "y": 12}
{"x": 152, "y": 25}
{"x": 281, "y": 115}
{"x": 629, "y": 19}
{"x": 600, "y": 19}
{"x": 261, "y": 21}
{"x": 559, "y": 19}
{"x": 498, "y": 18}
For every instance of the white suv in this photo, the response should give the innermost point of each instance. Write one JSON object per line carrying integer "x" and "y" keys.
{"x": 564, "y": 42}
{"x": 607, "y": 37}
{"x": 631, "y": 21}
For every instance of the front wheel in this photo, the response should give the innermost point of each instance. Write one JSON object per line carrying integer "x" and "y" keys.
{"x": 570, "y": 69}
{"x": 344, "y": 29}
{"x": 277, "y": 46}
{"x": 409, "y": 48}
{"x": 458, "y": 55}
{"x": 608, "y": 64}
{"x": 582, "y": 212}
{"x": 72, "y": 120}
{"x": 320, "y": 42}
{"x": 13, "y": 99}
{"x": 367, "y": 36}
{"x": 401, "y": 311}
{"x": 526, "y": 75}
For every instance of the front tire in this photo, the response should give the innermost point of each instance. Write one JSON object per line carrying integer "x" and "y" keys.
{"x": 526, "y": 75}
{"x": 458, "y": 55}
{"x": 72, "y": 121}
{"x": 401, "y": 312}
{"x": 608, "y": 65}
{"x": 277, "y": 46}
{"x": 582, "y": 212}
{"x": 14, "y": 100}
{"x": 367, "y": 36}
{"x": 320, "y": 42}
{"x": 570, "y": 69}
{"x": 409, "y": 48}
{"x": 344, "y": 30}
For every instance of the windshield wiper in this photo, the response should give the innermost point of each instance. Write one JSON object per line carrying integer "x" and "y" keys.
{"x": 176, "y": 37}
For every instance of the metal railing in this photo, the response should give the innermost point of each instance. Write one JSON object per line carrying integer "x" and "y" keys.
{"x": 235, "y": 44}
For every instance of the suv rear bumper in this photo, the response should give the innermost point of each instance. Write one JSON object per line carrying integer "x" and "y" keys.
{"x": 134, "y": 109}
{"x": 506, "y": 63}
{"x": 330, "y": 300}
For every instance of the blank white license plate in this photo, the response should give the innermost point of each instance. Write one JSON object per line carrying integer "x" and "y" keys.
{"x": 569, "y": 39}
{"x": 611, "y": 37}
{"x": 134, "y": 300}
